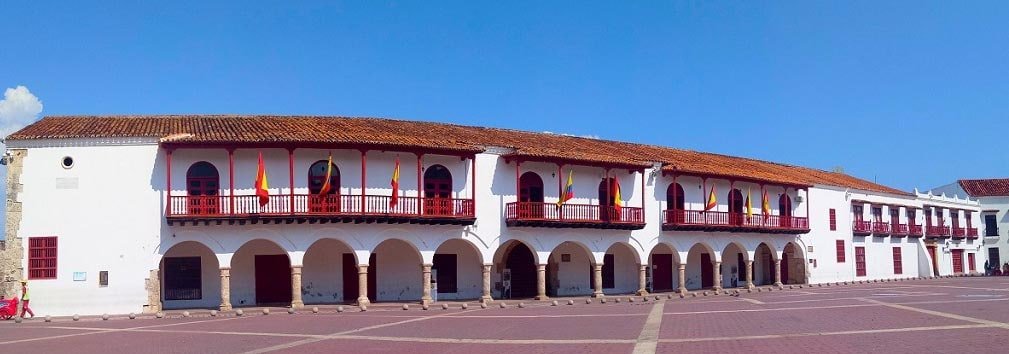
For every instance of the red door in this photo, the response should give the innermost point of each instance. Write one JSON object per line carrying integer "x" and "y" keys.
{"x": 784, "y": 267}
{"x": 935, "y": 260}
{"x": 707, "y": 278}
{"x": 662, "y": 272}
{"x": 202, "y": 189}
{"x": 273, "y": 279}
{"x": 350, "y": 281}
{"x": 860, "y": 261}
{"x": 437, "y": 191}
{"x": 957, "y": 261}
{"x": 372, "y": 278}
{"x": 970, "y": 262}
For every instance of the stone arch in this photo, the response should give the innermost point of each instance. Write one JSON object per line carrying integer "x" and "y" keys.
{"x": 457, "y": 270}
{"x": 793, "y": 264}
{"x": 329, "y": 272}
{"x": 520, "y": 259}
{"x": 700, "y": 266}
{"x": 764, "y": 258}
{"x": 621, "y": 264}
{"x": 664, "y": 260}
{"x": 260, "y": 274}
{"x": 733, "y": 271}
{"x": 190, "y": 276}
{"x": 569, "y": 270}
{"x": 395, "y": 272}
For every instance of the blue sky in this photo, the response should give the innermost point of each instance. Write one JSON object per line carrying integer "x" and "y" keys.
{"x": 910, "y": 94}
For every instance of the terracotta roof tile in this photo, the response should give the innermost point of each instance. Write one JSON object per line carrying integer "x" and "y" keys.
{"x": 992, "y": 187}
{"x": 224, "y": 129}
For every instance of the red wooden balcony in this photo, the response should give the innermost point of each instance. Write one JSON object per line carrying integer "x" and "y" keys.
{"x": 675, "y": 219}
{"x": 972, "y": 233}
{"x": 880, "y": 228}
{"x": 861, "y": 227}
{"x": 314, "y": 208}
{"x": 914, "y": 230}
{"x": 959, "y": 232}
{"x": 899, "y": 230}
{"x": 937, "y": 231}
{"x": 573, "y": 215}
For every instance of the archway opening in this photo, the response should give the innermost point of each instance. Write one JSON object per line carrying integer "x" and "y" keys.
{"x": 569, "y": 270}
{"x": 260, "y": 275}
{"x": 457, "y": 271}
{"x": 664, "y": 267}
{"x": 202, "y": 189}
{"x": 190, "y": 277}
{"x": 700, "y": 271}
{"x": 437, "y": 191}
{"x": 329, "y": 273}
{"x": 733, "y": 266}
{"x": 763, "y": 265}
{"x": 620, "y": 269}
{"x": 516, "y": 268}
{"x": 530, "y": 196}
{"x": 793, "y": 265}
{"x": 323, "y": 187}
{"x": 398, "y": 276}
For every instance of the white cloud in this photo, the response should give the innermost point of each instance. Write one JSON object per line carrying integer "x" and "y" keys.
{"x": 18, "y": 108}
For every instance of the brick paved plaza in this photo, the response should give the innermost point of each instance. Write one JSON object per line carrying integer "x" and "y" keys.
{"x": 912, "y": 316}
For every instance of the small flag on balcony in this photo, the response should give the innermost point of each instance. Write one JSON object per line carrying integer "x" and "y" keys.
{"x": 261, "y": 183}
{"x": 326, "y": 186}
{"x": 618, "y": 202}
{"x": 765, "y": 205}
{"x": 569, "y": 189}
{"x": 749, "y": 206}
{"x": 395, "y": 185}
{"x": 712, "y": 200}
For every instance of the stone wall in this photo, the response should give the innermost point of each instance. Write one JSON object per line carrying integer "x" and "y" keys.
{"x": 12, "y": 250}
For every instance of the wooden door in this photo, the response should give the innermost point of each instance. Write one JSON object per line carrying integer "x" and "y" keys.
{"x": 970, "y": 262}
{"x": 523, "y": 271}
{"x": 372, "y": 278}
{"x": 203, "y": 199}
{"x": 957, "y": 261}
{"x": 707, "y": 276}
{"x": 531, "y": 194}
{"x": 437, "y": 191}
{"x": 662, "y": 272}
{"x": 741, "y": 266}
{"x": 273, "y": 279}
{"x": 784, "y": 267}
{"x": 351, "y": 289}
{"x": 860, "y": 261}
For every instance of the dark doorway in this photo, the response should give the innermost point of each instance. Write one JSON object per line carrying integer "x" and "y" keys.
{"x": 957, "y": 261}
{"x": 273, "y": 279}
{"x": 319, "y": 202}
{"x": 736, "y": 205}
{"x": 741, "y": 265}
{"x": 372, "y": 278}
{"x": 662, "y": 272}
{"x": 350, "y": 282}
{"x": 607, "y": 191}
{"x": 935, "y": 260}
{"x": 707, "y": 274}
{"x": 202, "y": 186}
{"x": 993, "y": 258}
{"x": 609, "y": 281}
{"x": 445, "y": 267}
{"x": 522, "y": 263}
{"x": 785, "y": 209}
{"x": 531, "y": 194}
{"x": 784, "y": 268}
{"x": 437, "y": 191}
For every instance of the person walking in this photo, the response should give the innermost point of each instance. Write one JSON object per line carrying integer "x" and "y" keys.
{"x": 987, "y": 268}
{"x": 24, "y": 299}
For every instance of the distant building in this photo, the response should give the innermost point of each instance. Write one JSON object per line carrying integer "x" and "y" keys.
{"x": 993, "y": 194}
{"x": 123, "y": 214}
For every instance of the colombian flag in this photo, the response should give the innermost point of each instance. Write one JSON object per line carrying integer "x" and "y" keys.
{"x": 261, "y": 183}
{"x": 569, "y": 189}
{"x": 712, "y": 200}
{"x": 749, "y": 206}
{"x": 395, "y": 185}
{"x": 618, "y": 202}
{"x": 765, "y": 207}
{"x": 326, "y": 186}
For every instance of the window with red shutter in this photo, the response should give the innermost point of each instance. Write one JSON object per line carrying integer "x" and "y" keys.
{"x": 840, "y": 251}
{"x": 860, "y": 261}
{"x": 833, "y": 220}
{"x": 898, "y": 266}
{"x": 42, "y": 257}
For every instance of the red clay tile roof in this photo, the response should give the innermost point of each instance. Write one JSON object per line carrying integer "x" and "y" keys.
{"x": 992, "y": 187}
{"x": 302, "y": 130}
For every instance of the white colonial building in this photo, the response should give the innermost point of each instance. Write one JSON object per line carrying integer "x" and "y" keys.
{"x": 126, "y": 214}
{"x": 993, "y": 194}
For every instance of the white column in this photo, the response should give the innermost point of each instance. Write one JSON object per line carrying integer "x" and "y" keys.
{"x": 426, "y": 275}
{"x": 486, "y": 284}
{"x": 296, "y": 287}
{"x": 643, "y": 279}
{"x": 541, "y": 282}
{"x": 597, "y": 280}
{"x": 225, "y": 289}
{"x": 683, "y": 278}
{"x": 362, "y": 285}
{"x": 717, "y": 273}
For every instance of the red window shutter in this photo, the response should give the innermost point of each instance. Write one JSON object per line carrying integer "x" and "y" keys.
{"x": 840, "y": 251}
{"x": 970, "y": 262}
{"x": 42, "y": 257}
{"x": 833, "y": 220}
{"x": 898, "y": 265}
{"x": 860, "y": 261}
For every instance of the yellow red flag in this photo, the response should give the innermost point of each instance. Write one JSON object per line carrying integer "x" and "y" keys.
{"x": 262, "y": 185}
{"x": 712, "y": 200}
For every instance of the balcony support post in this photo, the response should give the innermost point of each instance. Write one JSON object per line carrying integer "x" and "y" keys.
{"x": 168, "y": 181}
{"x": 420, "y": 195}
{"x": 364, "y": 178}
{"x": 518, "y": 185}
{"x": 560, "y": 191}
{"x": 732, "y": 192}
{"x": 231, "y": 181}
{"x": 472, "y": 186}
{"x": 643, "y": 195}
{"x": 290, "y": 173}
{"x": 604, "y": 205}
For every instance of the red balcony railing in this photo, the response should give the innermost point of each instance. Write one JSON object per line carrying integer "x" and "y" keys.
{"x": 959, "y": 232}
{"x": 713, "y": 220}
{"x": 861, "y": 227}
{"x": 937, "y": 231}
{"x": 880, "y": 228}
{"x": 551, "y": 214}
{"x": 914, "y": 230}
{"x": 318, "y": 206}
{"x": 899, "y": 229}
{"x": 972, "y": 232}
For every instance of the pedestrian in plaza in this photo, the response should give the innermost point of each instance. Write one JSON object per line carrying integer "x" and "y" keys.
{"x": 1005, "y": 269}
{"x": 987, "y": 268}
{"x": 24, "y": 299}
